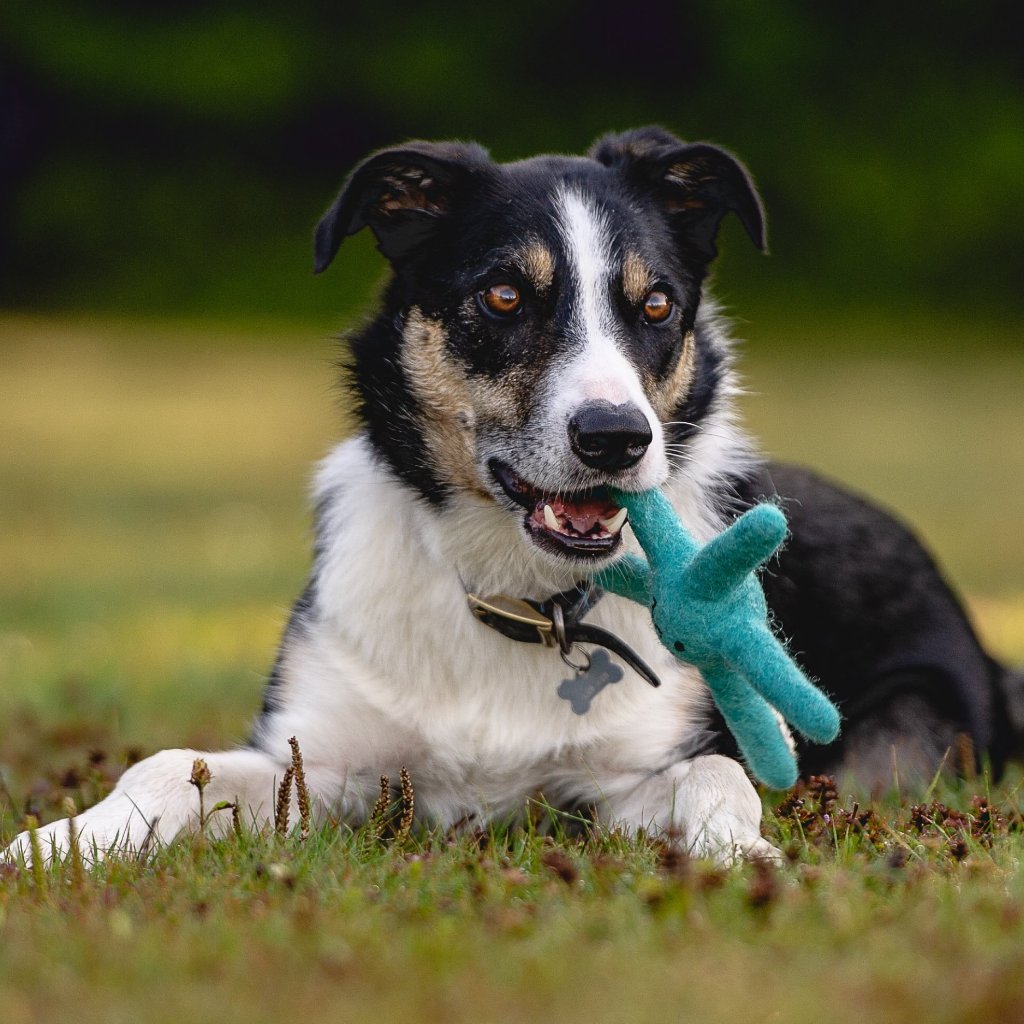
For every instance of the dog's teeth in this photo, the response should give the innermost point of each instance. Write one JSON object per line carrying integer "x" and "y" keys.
{"x": 550, "y": 519}
{"x": 614, "y": 524}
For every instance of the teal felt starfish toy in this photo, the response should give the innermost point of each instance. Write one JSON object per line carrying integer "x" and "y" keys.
{"x": 709, "y": 610}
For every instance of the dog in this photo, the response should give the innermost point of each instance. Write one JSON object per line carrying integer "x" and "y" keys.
{"x": 544, "y": 336}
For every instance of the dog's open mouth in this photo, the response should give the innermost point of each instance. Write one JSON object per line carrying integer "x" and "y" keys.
{"x": 585, "y": 524}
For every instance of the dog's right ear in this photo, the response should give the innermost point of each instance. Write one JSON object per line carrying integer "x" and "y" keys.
{"x": 403, "y": 194}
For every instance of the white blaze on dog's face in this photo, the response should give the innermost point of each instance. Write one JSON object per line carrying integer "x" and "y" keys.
{"x": 595, "y": 369}
{"x": 592, "y": 422}
{"x": 538, "y": 344}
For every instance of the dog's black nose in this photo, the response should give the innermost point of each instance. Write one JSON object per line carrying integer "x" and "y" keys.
{"x": 609, "y": 437}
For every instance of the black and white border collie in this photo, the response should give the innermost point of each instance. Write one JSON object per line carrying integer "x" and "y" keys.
{"x": 545, "y": 335}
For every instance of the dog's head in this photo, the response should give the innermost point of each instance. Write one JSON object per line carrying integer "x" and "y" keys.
{"x": 539, "y": 340}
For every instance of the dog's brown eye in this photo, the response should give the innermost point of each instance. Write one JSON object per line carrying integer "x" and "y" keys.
{"x": 501, "y": 300}
{"x": 657, "y": 307}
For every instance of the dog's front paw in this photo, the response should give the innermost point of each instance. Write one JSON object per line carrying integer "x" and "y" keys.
{"x": 112, "y": 827}
{"x": 53, "y": 842}
{"x": 713, "y": 810}
{"x": 758, "y": 849}
{"x": 761, "y": 849}
{"x": 729, "y": 842}
{"x": 152, "y": 801}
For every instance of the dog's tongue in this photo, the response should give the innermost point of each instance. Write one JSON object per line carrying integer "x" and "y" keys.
{"x": 583, "y": 513}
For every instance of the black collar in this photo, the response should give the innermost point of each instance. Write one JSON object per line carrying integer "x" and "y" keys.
{"x": 533, "y": 622}
{"x": 556, "y": 622}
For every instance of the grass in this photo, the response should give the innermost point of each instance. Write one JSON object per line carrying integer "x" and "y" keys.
{"x": 152, "y": 484}
{"x": 917, "y": 914}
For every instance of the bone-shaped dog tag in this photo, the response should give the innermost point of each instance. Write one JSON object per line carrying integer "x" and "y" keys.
{"x": 582, "y": 688}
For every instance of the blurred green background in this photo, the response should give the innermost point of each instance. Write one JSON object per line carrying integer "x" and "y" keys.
{"x": 172, "y": 157}
{"x": 166, "y": 354}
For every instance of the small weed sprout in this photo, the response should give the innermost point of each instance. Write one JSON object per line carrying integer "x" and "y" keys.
{"x": 200, "y": 778}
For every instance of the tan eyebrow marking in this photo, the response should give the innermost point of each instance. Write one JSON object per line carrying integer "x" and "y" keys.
{"x": 636, "y": 278}
{"x": 538, "y": 264}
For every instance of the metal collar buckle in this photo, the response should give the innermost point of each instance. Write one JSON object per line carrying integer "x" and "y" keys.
{"x": 512, "y": 612}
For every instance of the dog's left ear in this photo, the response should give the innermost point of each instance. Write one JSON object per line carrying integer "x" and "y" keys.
{"x": 696, "y": 183}
{"x": 402, "y": 194}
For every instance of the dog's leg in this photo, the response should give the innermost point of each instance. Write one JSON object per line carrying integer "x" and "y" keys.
{"x": 708, "y": 803}
{"x": 154, "y": 801}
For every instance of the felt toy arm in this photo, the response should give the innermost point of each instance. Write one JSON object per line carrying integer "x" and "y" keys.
{"x": 726, "y": 561}
{"x": 756, "y": 727}
{"x": 760, "y": 657}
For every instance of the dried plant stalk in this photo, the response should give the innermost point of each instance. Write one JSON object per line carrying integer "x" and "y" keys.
{"x": 380, "y": 813}
{"x": 284, "y": 799}
{"x": 36, "y": 849}
{"x": 301, "y": 789}
{"x": 408, "y": 805}
{"x": 77, "y": 866}
{"x": 149, "y": 840}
